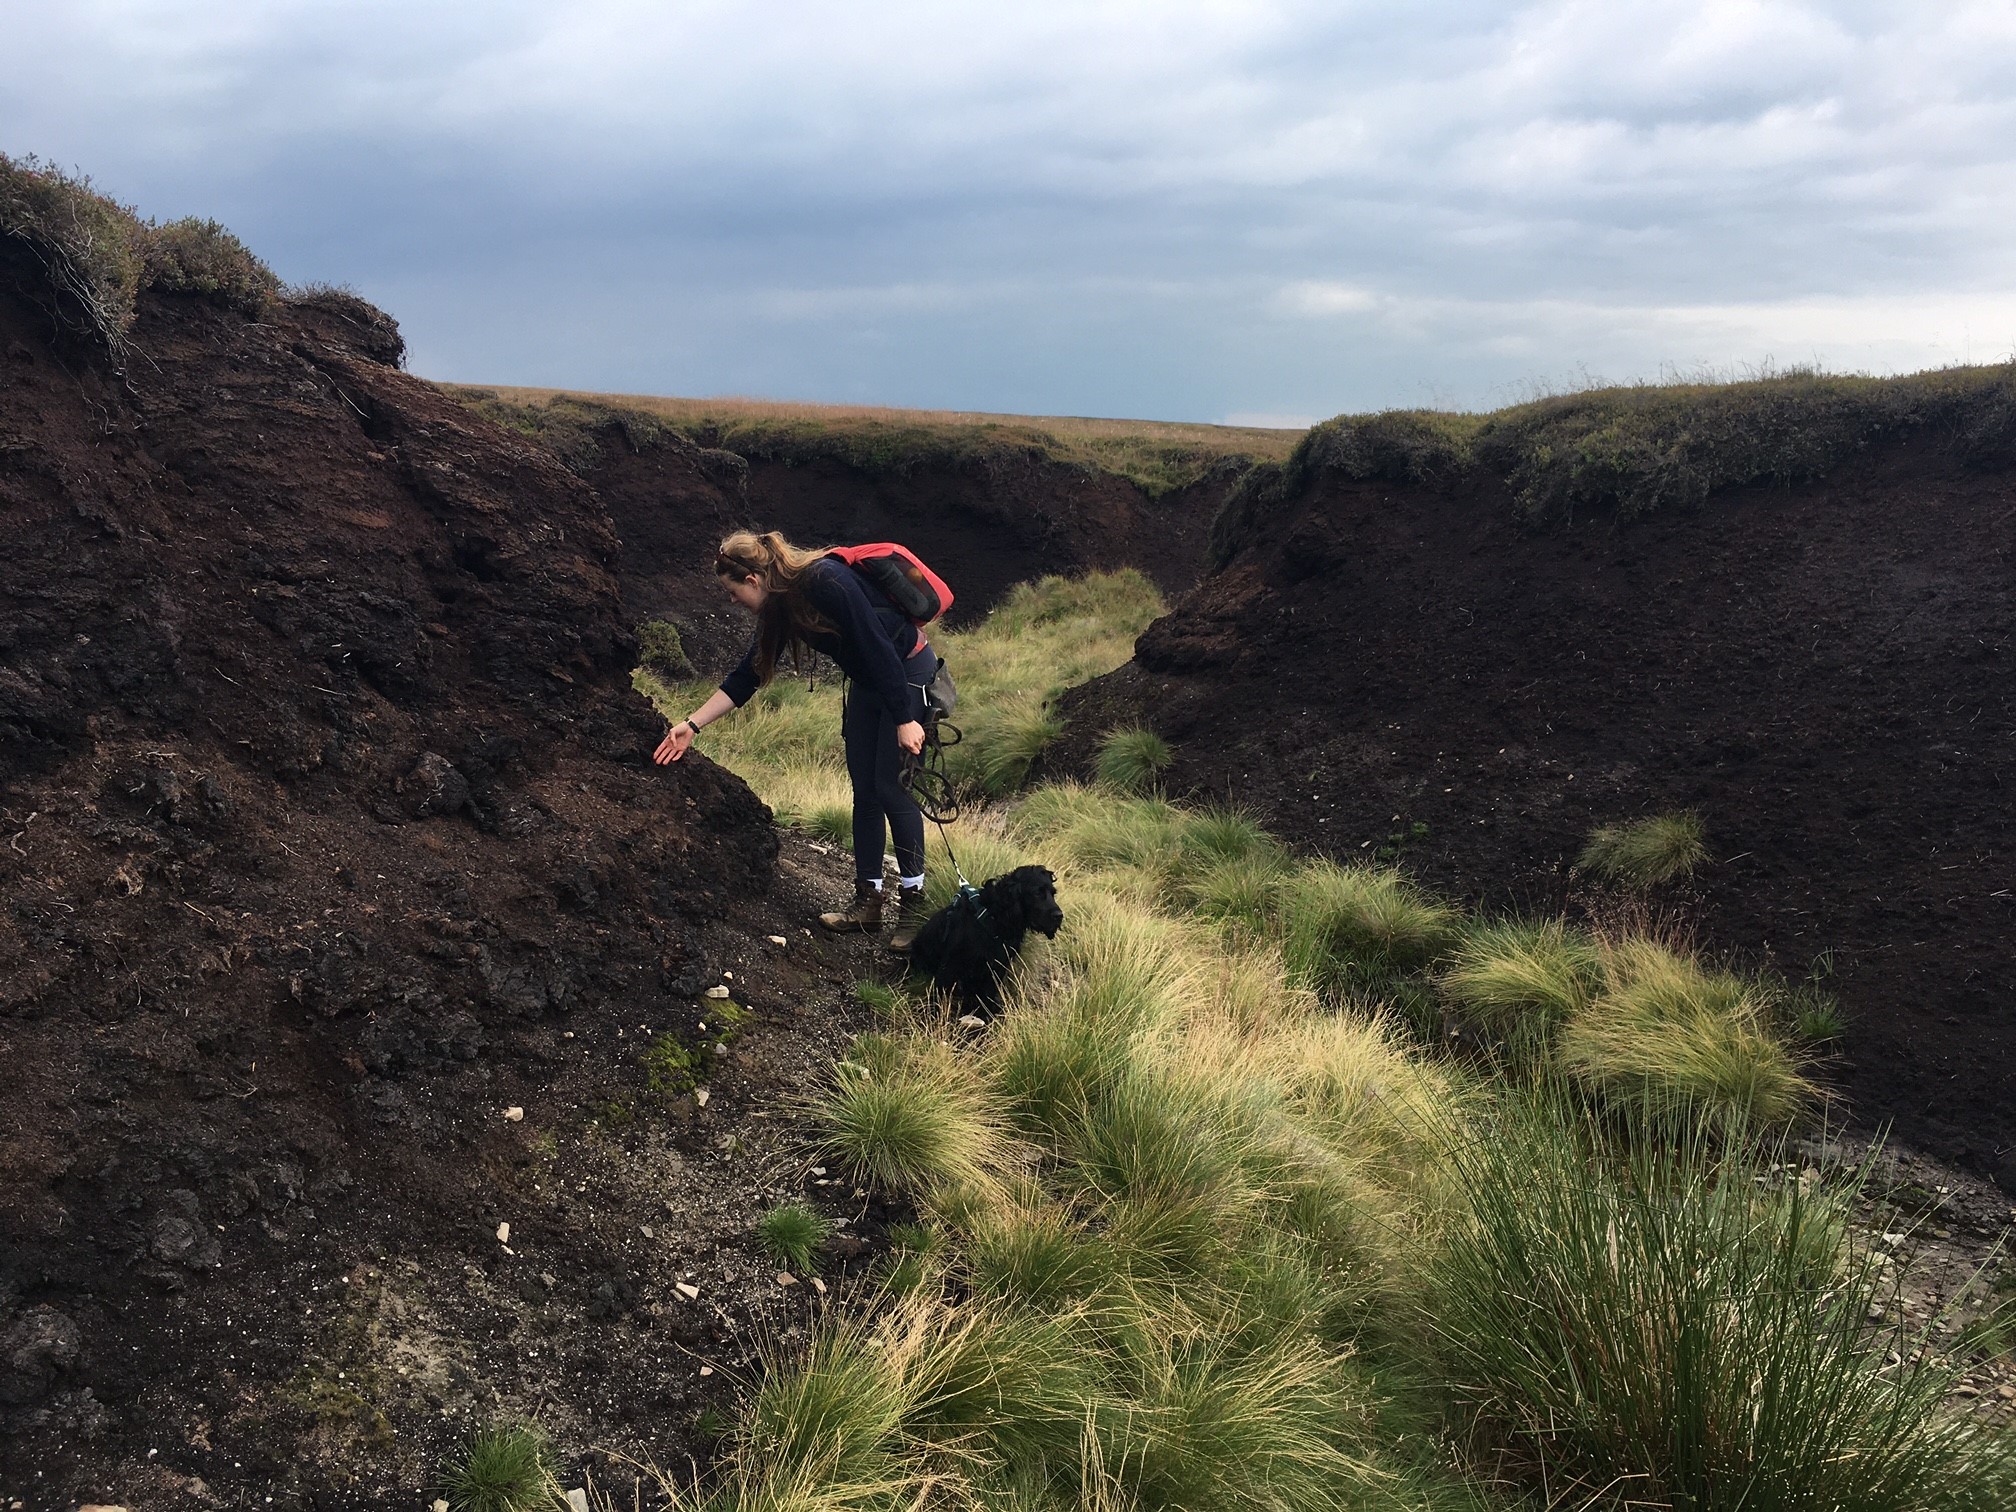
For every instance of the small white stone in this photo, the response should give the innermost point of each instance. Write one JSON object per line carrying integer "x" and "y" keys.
{"x": 779, "y": 940}
{"x": 700, "y": 1097}
{"x": 577, "y": 1500}
{"x": 727, "y": 976}
{"x": 717, "y": 992}
{"x": 514, "y": 1115}
{"x": 503, "y": 1233}
{"x": 440, "y": 1505}
{"x": 649, "y": 1232}
{"x": 687, "y": 1290}
{"x": 818, "y": 1170}
{"x": 972, "y": 1021}
{"x": 706, "y": 1370}
{"x": 819, "y": 1286}
{"x": 785, "y": 1278}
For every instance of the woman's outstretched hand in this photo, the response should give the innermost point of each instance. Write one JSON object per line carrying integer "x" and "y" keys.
{"x": 678, "y": 740}
{"x": 911, "y": 737}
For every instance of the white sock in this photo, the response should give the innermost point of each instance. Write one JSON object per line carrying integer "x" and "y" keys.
{"x": 875, "y": 883}
{"x": 911, "y": 884}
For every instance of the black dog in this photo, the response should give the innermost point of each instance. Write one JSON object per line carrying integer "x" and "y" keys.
{"x": 967, "y": 945}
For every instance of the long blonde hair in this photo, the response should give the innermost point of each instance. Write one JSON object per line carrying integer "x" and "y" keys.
{"x": 787, "y": 616}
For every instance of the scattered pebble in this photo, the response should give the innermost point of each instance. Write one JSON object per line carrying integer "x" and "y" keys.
{"x": 727, "y": 976}
{"x": 785, "y": 1278}
{"x": 819, "y": 1286}
{"x": 503, "y": 1233}
{"x": 687, "y": 1290}
{"x": 514, "y": 1115}
{"x": 649, "y": 1232}
{"x": 706, "y": 1370}
{"x": 818, "y": 1170}
{"x": 700, "y": 1097}
{"x": 972, "y": 1021}
{"x": 779, "y": 940}
{"x": 577, "y": 1500}
{"x": 717, "y": 992}
{"x": 440, "y": 1504}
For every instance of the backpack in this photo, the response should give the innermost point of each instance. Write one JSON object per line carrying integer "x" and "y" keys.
{"x": 915, "y": 590}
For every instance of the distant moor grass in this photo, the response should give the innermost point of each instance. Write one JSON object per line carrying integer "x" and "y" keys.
{"x": 1156, "y": 456}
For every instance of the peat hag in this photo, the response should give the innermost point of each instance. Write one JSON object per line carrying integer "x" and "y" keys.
{"x": 1393, "y": 656}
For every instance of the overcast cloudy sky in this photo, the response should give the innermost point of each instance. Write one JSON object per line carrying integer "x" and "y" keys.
{"x": 1180, "y": 209}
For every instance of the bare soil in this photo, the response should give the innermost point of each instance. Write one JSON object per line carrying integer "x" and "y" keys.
{"x": 1826, "y": 673}
{"x": 327, "y": 835}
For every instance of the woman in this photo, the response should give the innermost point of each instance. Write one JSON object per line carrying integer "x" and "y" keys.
{"x": 806, "y": 599}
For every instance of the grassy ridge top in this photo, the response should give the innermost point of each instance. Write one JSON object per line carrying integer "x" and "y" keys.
{"x": 1157, "y": 456}
{"x": 1643, "y": 447}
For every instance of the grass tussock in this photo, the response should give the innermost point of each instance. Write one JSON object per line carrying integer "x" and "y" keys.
{"x": 1156, "y": 456}
{"x": 1645, "y": 852}
{"x": 1674, "y": 1325}
{"x": 1676, "y": 1042}
{"x": 1516, "y": 982}
{"x": 791, "y": 1234}
{"x": 500, "y": 1469}
{"x": 1132, "y": 760}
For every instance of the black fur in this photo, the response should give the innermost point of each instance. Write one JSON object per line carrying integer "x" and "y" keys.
{"x": 968, "y": 944}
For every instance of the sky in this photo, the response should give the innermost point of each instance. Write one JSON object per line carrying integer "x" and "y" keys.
{"x": 1255, "y": 213}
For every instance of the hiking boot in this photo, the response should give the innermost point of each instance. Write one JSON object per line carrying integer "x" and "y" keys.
{"x": 865, "y": 917}
{"x": 910, "y": 916}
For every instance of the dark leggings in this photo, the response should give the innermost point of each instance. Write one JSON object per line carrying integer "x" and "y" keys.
{"x": 875, "y": 768}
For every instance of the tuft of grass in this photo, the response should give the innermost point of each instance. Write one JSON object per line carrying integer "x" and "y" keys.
{"x": 500, "y": 1469}
{"x": 660, "y": 651}
{"x": 831, "y": 822}
{"x": 1676, "y": 1043}
{"x": 1010, "y": 734}
{"x": 1645, "y": 852}
{"x": 1675, "y": 1324}
{"x": 1518, "y": 982}
{"x": 1132, "y": 760}
{"x": 1355, "y": 927}
{"x": 791, "y": 1235}
{"x": 879, "y": 997}
{"x": 907, "y": 1118}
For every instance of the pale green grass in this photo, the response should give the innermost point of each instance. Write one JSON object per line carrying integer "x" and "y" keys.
{"x": 1645, "y": 852}
{"x": 1674, "y": 1041}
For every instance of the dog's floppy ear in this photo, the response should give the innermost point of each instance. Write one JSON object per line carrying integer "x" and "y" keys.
{"x": 1002, "y": 899}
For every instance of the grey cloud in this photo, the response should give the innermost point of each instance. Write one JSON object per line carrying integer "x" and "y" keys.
{"x": 1186, "y": 209}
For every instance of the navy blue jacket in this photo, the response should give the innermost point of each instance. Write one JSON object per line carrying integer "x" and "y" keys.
{"x": 871, "y": 638}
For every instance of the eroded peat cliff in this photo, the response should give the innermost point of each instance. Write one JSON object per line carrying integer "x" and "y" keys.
{"x": 329, "y": 830}
{"x": 1415, "y": 643}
